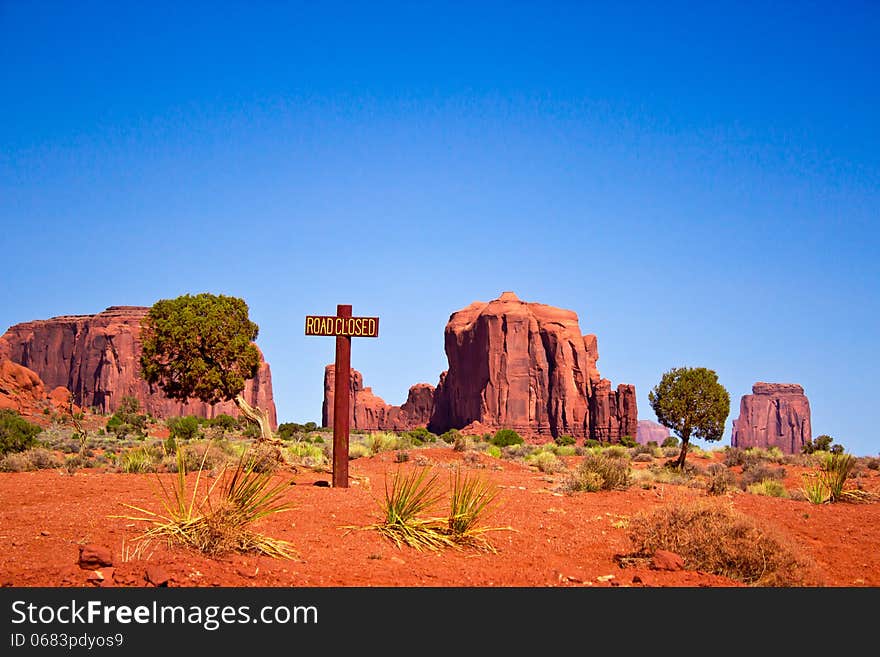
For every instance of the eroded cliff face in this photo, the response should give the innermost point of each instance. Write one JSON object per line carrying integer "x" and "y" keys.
{"x": 528, "y": 367}
{"x": 96, "y": 358}
{"x": 512, "y": 364}
{"x": 774, "y": 415}
{"x": 367, "y": 411}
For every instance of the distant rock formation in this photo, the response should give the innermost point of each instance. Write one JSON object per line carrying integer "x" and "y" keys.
{"x": 512, "y": 364}
{"x": 23, "y": 391}
{"x": 96, "y": 358}
{"x": 367, "y": 411}
{"x": 650, "y": 430}
{"x": 774, "y": 415}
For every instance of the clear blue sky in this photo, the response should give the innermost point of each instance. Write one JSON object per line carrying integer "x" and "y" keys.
{"x": 699, "y": 182}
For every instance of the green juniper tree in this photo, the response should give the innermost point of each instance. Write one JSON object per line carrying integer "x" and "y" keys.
{"x": 202, "y": 347}
{"x": 692, "y": 403}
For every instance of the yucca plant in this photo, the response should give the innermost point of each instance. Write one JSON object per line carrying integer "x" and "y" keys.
{"x": 406, "y": 498}
{"x": 835, "y": 470}
{"x": 814, "y": 489}
{"x": 471, "y": 498}
{"x": 220, "y": 521}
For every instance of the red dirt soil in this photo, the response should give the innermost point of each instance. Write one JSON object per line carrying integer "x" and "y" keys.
{"x": 554, "y": 540}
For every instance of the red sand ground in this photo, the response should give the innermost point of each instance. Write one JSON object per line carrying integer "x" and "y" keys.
{"x": 556, "y": 539}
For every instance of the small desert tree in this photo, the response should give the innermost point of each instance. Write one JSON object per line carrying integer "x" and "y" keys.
{"x": 202, "y": 347}
{"x": 691, "y": 402}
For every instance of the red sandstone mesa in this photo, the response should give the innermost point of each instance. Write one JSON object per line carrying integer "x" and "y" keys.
{"x": 774, "y": 415}
{"x": 512, "y": 364}
{"x": 96, "y": 358}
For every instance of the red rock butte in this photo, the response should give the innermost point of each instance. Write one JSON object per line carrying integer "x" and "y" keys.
{"x": 774, "y": 415}
{"x": 512, "y": 364}
{"x": 96, "y": 358}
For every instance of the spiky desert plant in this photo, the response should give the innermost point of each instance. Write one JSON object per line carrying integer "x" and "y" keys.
{"x": 220, "y": 521}
{"x": 407, "y": 498}
{"x": 471, "y": 498}
{"x": 814, "y": 489}
{"x": 835, "y": 470}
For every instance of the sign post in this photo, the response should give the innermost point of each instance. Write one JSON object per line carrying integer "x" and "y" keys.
{"x": 344, "y": 327}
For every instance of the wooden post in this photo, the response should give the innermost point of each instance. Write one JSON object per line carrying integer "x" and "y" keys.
{"x": 343, "y": 327}
{"x": 341, "y": 403}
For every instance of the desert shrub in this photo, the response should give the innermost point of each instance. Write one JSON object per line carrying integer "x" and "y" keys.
{"x": 421, "y": 435}
{"x": 380, "y": 441}
{"x": 643, "y": 457}
{"x": 719, "y": 479}
{"x": 357, "y": 450}
{"x": 137, "y": 460}
{"x": 669, "y": 452}
{"x": 127, "y": 420}
{"x": 401, "y": 457}
{"x": 670, "y": 441}
{"x": 565, "y": 440}
{"x": 610, "y": 474}
{"x": 494, "y": 451}
{"x": 563, "y": 450}
{"x": 546, "y": 462}
{"x": 818, "y": 444}
{"x": 715, "y": 538}
{"x": 616, "y": 452}
{"x": 207, "y": 455}
{"x": 517, "y": 451}
{"x": 450, "y": 436}
{"x": 183, "y": 428}
{"x": 309, "y": 455}
{"x": 37, "y": 458}
{"x": 641, "y": 449}
{"x": 628, "y": 441}
{"x": 872, "y": 463}
{"x": 506, "y": 437}
{"x": 755, "y": 474}
{"x": 224, "y": 423}
{"x": 768, "y": 487}
{"x": 463, "y": 443}
{"x": 592, "y": 442}
{"x": 291, "y": 431}
{"x": 668, "y": 474}
{"x": 16, "y": 433}
{"x": 263, "y": 457}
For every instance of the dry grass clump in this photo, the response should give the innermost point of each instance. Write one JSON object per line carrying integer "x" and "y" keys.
{"x": 36, "y": 458}
{"x": 220, "y": 520}
{"x": 599, "y": 472}
{"x": 714, "y": 538}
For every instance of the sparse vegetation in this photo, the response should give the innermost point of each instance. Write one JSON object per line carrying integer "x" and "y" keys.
{"x": 768, "y": 487}
{"x": 184, "y": 428}
{"x": 16, "y": 433}
{"x": 599, "y": 472}
{"x": 720, "y": 479}
{"x": 716, "y": 539}
{"x": 506, "y": 437}
{"x": 128, "y": 419}
{"x": 565, "y": 440}
{"x": 546, "y": 462}
{"x": 36, "y": 458}
{"x": 220, "y": 520}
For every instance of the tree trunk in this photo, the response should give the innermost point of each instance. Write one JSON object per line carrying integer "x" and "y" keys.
{"x": 679, "y": 463}
{"x": 258, "y": 416}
